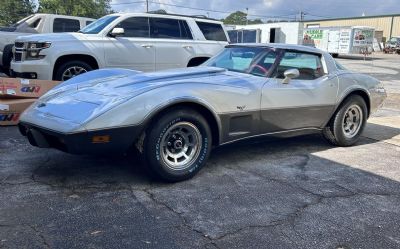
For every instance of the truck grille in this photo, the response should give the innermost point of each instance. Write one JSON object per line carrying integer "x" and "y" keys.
{"x": 18, "y": 56}
{"x": 19, "y": 45}
{"x": 19, "y": 50}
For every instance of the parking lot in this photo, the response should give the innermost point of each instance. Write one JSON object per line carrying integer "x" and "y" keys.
{"x": 296, "y": 192}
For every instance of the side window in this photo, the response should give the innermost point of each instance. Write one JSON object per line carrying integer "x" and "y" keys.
{"x": 186, "y": 33}
{"x": 35, "y": 24}
{"x": 65, "y": 25}
{"x": 212, "y": 31}
{"x": 135, "y": 27}
{"x": 88, "y": 22}
{"x": 309, "y": 65}
{"x": 165, "y": 28}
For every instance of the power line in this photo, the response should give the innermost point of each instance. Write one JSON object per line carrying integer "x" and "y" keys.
{"x": 202, "y": 9}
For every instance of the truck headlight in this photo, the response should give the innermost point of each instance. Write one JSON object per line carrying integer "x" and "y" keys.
{"x": 33, "y": 50}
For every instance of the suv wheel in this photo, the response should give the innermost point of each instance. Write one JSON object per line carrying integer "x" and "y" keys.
{"x": 177, "y": 145}
{"x": 70, "y": 69}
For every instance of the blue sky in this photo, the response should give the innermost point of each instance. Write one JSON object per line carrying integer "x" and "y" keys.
{"x": 314, "y": 9}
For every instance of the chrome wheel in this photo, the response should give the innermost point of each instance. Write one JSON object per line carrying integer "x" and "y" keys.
{"x": 71, "y": 72}
{"x": 352, "y": 121}
{"x": 180, "y": 145}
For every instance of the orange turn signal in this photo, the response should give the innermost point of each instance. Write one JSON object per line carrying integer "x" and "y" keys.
{"x": 101, "y": 139}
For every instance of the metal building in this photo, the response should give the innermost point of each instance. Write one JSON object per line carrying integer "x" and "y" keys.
{"x": 386, "y": 26}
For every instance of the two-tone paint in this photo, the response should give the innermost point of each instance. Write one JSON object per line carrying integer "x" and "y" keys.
{"x": 122, "y": 103}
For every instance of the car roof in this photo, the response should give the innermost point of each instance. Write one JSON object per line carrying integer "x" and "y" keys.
{"x": 281, "y": 46}
{"x": 170, "y": 16}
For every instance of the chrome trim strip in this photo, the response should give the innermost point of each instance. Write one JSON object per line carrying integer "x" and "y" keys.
{"x": 271, "y": 133}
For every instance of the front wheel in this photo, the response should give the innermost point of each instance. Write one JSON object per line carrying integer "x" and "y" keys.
{"x": 347, "y": 124}
{"x": 70, "y": 69}
{"x": 177, "y": 145}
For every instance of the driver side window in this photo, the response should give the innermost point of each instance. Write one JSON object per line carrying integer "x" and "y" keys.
{"x": 135, "y": 27}
{"x": 309, "y": 65}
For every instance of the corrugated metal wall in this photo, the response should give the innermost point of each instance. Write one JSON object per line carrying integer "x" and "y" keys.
{"x": 379, "y": 23}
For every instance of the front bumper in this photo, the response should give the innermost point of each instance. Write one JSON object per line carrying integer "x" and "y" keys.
{"x": 26, "y": 69}
{"x": 110, "y": 141}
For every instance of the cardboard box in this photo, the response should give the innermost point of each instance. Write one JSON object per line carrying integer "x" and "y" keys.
{"x": 24, "y": 88}
{"x": 11, "y": 109}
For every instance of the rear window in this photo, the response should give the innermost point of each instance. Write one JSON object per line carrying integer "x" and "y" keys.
{"x": 65, "y": 25}
{"x": 169, "y": 28}
{"x": 212, "y": 31}
{"x": 88, "y": 22}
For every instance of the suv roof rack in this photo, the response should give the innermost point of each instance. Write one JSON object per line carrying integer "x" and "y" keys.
{"x": 192, "y": 16}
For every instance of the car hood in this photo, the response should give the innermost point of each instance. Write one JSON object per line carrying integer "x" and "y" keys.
{"x": 52, "y": 37}
{"x": 87, "y": 96}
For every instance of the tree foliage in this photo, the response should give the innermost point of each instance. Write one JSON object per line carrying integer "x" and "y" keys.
{"x": 86, "y": 8}
{"x": 240, "y": 18}
{"x": 13, "y": 10}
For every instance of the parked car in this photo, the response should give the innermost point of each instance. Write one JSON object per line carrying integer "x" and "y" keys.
{"x": 139, "y": 41}
{"x": 393, "y": 45}
{"x": 175, "y": 117}
{"x": 36, "y": 24}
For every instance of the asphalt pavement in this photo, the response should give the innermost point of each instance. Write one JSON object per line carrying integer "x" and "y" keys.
{"x": 290, "y": 193}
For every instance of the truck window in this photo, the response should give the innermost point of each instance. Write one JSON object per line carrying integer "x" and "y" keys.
{"x": 212, "y": 31}
{"x": 186, "y": 33}
{"x": 135, "y": 27}
{"x": 35, "y": 24}
{"x": 309, "y": 65}
{"x": 65, "y": 25}
{"x": 169, "y": 28}
{"x": 88, "y": 22}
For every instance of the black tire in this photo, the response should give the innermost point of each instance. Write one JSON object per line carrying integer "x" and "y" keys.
{"x": 70, "y": 64}
{"x": 7, "y": 57}
{"x": 155, "y": 144}
{"x": 335, "y": 55}
{"x": 334, "y": 131}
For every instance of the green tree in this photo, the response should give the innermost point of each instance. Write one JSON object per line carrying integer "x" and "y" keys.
{"x": 86, "y": 8}
{"x": 13, "y": 10}
{"x": 240, "y": 18}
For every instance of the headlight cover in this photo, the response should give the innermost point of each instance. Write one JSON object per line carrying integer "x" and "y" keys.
{"x": 33, "y": 50}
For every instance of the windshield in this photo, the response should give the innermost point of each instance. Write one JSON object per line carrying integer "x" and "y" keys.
{"x": 21, "y": 21}
{"x": 250, "y": 60}
{"x": 98, "y": 25}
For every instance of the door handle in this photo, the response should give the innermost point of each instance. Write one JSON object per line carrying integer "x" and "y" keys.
{"x": 147, "y": 46}
{"x": 187, "y": 46}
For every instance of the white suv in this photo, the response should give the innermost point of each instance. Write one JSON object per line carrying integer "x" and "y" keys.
{"x": 139, "y": 41}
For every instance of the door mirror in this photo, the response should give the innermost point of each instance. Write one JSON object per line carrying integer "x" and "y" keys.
{"x": 290, "y": 74}
{"x": 117, "y": 32}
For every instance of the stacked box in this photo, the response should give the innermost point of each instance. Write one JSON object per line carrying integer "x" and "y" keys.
{"x": 16, "y": 95}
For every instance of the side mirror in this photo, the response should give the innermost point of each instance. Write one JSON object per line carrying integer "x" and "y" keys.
{"x": 290, "y": 74}
{"x": 117, "y": 32}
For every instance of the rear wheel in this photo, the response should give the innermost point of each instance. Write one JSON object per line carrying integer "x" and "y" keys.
{"x": 70, "y": 69}
{"x": 347, "y": 124}
{"x": 177, "y": 145}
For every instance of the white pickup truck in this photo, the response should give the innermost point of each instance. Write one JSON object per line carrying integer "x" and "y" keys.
{"x": 139, "y": 41}
{"x": 36, "y": 24}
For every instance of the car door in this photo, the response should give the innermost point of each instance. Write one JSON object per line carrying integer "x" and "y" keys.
{"x": 305, "y": 102}
{"x": 133, "y": 50}
{"x": 172, "y": 41}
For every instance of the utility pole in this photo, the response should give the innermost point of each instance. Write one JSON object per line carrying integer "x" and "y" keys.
{"x": 247, "y": 16}
{"x": 302, "y": 16}
{"x": 147, "y": 6}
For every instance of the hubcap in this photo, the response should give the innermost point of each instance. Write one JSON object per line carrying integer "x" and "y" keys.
{"x": 352, "y": 121}
{"x": 72, "y": 72}
{"x": 180, "y": 145}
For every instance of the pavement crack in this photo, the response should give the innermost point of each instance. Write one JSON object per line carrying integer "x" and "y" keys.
{"x": 41, "y": 236}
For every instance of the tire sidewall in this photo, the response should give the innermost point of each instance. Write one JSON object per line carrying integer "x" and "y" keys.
{"x": 153, "y": 145}
{"x": 66, "y": 65}
{"x": 338, "y": 130}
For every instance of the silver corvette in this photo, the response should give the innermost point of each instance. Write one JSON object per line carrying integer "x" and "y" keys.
{"x": 174, "y": 118}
